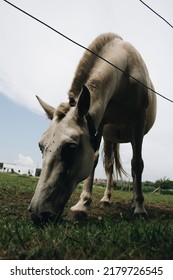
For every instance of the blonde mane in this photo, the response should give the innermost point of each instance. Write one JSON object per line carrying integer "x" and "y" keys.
{"x": 86, "y": 63}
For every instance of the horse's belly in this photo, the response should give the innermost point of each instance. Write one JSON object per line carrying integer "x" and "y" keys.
{"x": 117, "y": 134}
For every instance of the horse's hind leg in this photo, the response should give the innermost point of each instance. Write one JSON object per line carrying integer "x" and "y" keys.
{"x": 109, "y": 165}
{"x": 138, "y": 165}
{"x": 79, "y": 211}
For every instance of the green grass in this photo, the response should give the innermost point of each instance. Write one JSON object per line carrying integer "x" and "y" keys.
{"x": 109, "y": 233}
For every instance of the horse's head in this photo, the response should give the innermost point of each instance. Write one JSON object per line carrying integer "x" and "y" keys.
{"x": 68, "y": 157}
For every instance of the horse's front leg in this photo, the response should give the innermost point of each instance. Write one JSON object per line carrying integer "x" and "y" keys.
{"x": 105, "y": 201}
{"x": 108, "y": 165}
{"x": 79, "y": 211}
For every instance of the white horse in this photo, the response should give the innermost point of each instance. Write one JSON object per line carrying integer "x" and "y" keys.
{"x": 103, "y": 102}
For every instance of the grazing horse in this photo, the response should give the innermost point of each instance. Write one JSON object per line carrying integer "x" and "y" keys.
{"x": 103, "y": 102}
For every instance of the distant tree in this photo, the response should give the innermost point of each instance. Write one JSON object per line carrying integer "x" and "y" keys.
{"x": 164, "y": 184}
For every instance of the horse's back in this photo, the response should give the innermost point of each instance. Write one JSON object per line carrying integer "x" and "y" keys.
{"x": 130, "y": 95}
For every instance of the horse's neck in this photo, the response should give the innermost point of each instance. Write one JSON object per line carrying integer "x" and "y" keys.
{"x": 101, "y": 94}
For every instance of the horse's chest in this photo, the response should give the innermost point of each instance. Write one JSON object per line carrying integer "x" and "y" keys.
{"x": 119, "y": 113}
{"x": 117, "y": 134}
{"x": 118, "y": 122}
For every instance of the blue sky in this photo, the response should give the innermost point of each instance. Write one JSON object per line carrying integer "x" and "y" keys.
{"x": 34, "y": 60}
{"x": 20, "y": 133}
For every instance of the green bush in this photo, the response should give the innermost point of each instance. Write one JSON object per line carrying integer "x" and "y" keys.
{"x": 169, "y": 191}
{"x": 164, "y": 184}
{"x": 148, "y": 189}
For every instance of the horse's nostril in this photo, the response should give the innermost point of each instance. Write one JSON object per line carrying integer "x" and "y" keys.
{"x": 43, "y": 218}
{"x": 46, "y": 217}
{"x": 36, "y": 219}
{"x": 49, "y": 217}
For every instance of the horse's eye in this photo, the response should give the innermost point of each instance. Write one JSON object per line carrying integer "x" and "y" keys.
{"x": 68, "y": 149}
{"x": 68, "y": 152}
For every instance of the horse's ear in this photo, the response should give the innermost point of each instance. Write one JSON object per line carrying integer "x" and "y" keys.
{"x": 83, "y": 103}
{"x": 47, "y": 108}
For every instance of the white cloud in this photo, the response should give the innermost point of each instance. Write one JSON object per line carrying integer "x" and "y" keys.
{"x": 25, "y": 161}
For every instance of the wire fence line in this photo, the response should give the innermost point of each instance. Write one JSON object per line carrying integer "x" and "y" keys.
{"x": 87, "y": 49}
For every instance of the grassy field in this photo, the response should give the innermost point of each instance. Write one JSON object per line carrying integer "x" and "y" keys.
{"x": 110, "y": 233}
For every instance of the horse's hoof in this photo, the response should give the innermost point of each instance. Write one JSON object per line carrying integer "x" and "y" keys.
{"x": 139, "y": 215}
{"x": 77, "y": 215}
{"x": 104, "y": 204}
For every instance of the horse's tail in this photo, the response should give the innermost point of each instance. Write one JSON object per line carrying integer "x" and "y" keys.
{"x": 111, "y": 157}
{"x": 118, "y": 165}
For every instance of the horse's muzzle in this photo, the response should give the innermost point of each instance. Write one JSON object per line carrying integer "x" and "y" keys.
{"x": 42, "y": 219}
